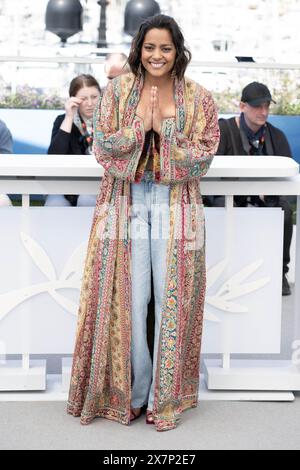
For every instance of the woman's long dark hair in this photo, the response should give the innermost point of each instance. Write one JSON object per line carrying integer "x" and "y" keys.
{"x": 183, "y": 55}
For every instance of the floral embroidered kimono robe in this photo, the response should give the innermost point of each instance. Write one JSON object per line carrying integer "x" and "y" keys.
{"x": 101, "y": 372}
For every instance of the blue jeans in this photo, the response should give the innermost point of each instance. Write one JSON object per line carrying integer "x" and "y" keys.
{"x": 150, "y": 219}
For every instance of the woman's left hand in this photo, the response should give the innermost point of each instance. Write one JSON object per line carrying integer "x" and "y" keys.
{"x": 157, "y": 117}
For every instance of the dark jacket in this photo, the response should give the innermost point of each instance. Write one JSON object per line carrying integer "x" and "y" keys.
{"x": 6, "y": 143}
{"x": 233, "y": 141}
{"x": 67, "y": 143}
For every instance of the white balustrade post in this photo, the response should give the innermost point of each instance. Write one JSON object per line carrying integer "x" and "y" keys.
{"x": 228, "y": 252}
{"x": 25, "y": 274}
{"x": 297, "y": 278}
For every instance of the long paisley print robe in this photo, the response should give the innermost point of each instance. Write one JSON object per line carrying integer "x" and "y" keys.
{"x": 101, "y": 372}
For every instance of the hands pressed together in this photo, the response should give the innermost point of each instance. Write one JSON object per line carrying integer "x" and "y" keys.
{"x": 153, "y": 116}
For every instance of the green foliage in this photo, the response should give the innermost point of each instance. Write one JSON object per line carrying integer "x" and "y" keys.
{"x": 286, "y": 93}
{"x": 287, "y": 96}
{"x": 227, "y": 101}
{"x": 286, "y": 90}
{"x": 31, "y": 98}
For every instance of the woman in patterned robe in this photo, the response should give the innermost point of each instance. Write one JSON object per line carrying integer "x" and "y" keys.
{"x": 155, "y": 130}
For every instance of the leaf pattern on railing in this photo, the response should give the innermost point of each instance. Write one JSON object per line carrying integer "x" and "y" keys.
{"x": 237, "y": 278}
{"x": 74, "y": 265}
{"x": 67, "y": 304}
{"x": 214, "y": 273}
{"x": 39, "y": 256}
{"x": 233, "y": 288}
{"x": 70, "y": 278}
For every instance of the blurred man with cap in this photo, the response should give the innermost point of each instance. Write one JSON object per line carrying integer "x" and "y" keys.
{"x": 251, "y": 134}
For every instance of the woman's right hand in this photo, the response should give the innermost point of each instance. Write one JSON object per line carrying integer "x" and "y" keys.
{"x": 148, "y": 118}
{"x": 71, "y": 106}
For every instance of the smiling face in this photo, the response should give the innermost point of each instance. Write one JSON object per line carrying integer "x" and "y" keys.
{"x": 158, "y": 53}
{"x": 89, "y": 96}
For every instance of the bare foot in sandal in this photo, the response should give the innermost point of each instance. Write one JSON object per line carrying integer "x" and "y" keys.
{"x": 135, "y": 413}
{"x": 149, "y": 417}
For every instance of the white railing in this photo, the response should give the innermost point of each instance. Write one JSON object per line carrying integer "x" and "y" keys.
{"x": 194, "y": 63}
{"x": 33, "y": 239}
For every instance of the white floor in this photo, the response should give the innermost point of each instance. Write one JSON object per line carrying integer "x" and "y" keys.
{"x": 213, "y": 425}
{"x": 54, "y": 392}
{"x": 223, "y": 420}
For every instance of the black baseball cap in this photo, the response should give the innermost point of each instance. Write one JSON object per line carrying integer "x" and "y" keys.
{"x": 256, "y": 93}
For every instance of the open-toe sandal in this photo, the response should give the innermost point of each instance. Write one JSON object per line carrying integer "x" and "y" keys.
{"x": 135, "y": 413}
{"x": 149, "y": 417}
